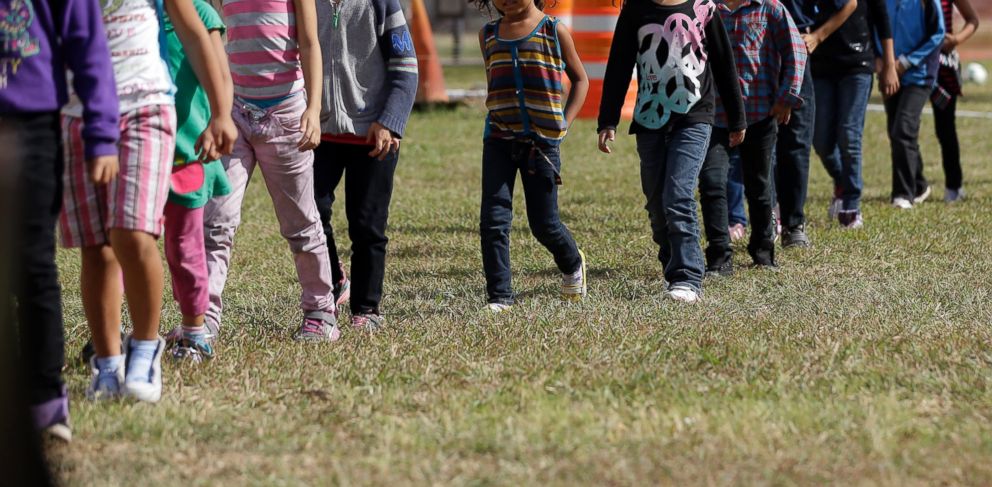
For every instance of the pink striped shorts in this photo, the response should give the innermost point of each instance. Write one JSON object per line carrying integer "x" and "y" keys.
{"x": 135, "y": 200}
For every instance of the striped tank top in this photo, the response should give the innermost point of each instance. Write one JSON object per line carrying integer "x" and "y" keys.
{"x": 526, "y": 98}
{"x": 262, "y": 48}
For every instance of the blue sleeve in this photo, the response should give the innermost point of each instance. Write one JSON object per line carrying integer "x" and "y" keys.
{"x": 396, "y": 45}
{"x": 933, "y": 20}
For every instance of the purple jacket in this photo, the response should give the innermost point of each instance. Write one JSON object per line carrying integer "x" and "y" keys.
{"x": 38, "y": 41}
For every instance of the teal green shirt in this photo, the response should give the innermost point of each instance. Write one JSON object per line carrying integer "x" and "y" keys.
{"x": 193, "y": 115}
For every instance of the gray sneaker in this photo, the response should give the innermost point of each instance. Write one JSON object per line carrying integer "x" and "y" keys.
{"x": 367, "y": 322}
{"x": 795, "y": 237}
{"x": 318, "y": 326}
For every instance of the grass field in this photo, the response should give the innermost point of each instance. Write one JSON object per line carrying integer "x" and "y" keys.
{"x": 866, "y": 359}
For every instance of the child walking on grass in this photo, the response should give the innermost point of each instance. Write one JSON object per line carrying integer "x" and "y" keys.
{"x": 32, "y": 90}
{"x": 370, "y": 69}
{"x": 683, "y": 57}
{"x": 526, "y": 52}
{"x": 917, "y": 34}
{"x": 770, "y": 56}
{"x": 117, "y": 225}
{"x": 194, "y": 182}
{"x": 276, "y": 68}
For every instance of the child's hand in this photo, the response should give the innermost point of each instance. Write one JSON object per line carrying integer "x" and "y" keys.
{"x": 310, "y": 128}
{"x": 605, "y": 137}
{"x": 812, "y": 42}
{"x": 102, "y": 169}
{"x": 383, "y": 141}
{"x": 736, "y": 138}
{"x": 217, "y": 139}
{"x": 888, "y": 80}
{"x": 782, "y": 113}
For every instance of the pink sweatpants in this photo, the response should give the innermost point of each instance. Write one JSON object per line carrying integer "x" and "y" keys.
{"x": 186, "y": 254}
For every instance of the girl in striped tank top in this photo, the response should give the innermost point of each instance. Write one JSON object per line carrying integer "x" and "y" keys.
{"x": 526, "y": 53}
{"x": 275, "y": 65}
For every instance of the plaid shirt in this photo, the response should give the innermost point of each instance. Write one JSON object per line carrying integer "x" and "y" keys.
{"x": 770, "y": 56}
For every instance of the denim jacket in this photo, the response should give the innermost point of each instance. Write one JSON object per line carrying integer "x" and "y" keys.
{"x": 917, "y": 31}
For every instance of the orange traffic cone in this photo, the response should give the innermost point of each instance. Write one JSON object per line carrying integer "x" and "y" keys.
{"x": 430, "y": 88}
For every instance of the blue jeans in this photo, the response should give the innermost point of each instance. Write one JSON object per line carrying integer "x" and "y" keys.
{"x": 539, "y": 168}
{"x": 735, "y": 190}
{"x": 670, "y": 164}
{"x": 791, "y": 161}
{"x": 840, "y": 122}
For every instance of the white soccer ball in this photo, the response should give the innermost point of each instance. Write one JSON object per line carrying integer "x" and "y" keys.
{"x": 976, "y": 73}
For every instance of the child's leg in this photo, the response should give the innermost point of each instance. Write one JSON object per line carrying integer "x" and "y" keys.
{"x": 328, "y": 168}
{"x": 288, "y": 175}
{"x": 684, "y": 153}
{"x": 792, "y": 158}
{"x": 856, "y": 90}
{"x": 945, "y": 120}
{"x": 735, "y": 190}
{"x": 499, "y": 173}
{"x": 102, "y": 298}
{"x": 39, "y": 300}
{"x": 828, "y": 125}
{"x": 82, "y": 224}
{"x": 904, "y": 110}
{"x": 368, "y": 191}
{"x": 186, "y": 255}
{"x": 541, "y": 195}
{"x": 222, "y": 216}
{"x": 652, "y": 149}
{"x": 713, "y": 199}
{"x": 756, "y": 158}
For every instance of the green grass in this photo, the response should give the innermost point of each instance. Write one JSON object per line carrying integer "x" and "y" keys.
{"x": 865, "y": 360}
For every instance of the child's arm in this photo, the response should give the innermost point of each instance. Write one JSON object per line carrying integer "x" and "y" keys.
{"x": 576, "y": 74}
{"x": 397, "y": 49}
{"x": 792, "y": 49}
{"x": 313, "y": 72}
{"x": 219, "y": 136}
{"x": 619, "y": 67}
{"x": 86, "y": 54}
{"x": 970, "y": 25}
{"x": 217, "y": 42}
{"x": 878, "y": 22}
{"x": 934, "y": 21}
{"x": 813, "y": 39}
{"x": 723, "y": 69}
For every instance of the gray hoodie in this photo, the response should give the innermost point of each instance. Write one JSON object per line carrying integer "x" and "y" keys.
{"x": 370, "y": 67}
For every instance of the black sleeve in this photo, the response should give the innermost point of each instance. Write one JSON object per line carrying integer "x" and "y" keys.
{"x": 723, "y": 69}
{"x": 878, "y": 17}
{"x": 623, "y": 55}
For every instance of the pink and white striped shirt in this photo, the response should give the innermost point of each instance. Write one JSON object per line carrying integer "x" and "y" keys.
{"x": 262, "y": 48}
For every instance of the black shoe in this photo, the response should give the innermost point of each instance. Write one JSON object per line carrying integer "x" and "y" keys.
{"x": 721, "y": 269}
{"x": 765, "y": 257}
{"x": 795, "y": 237}
{"x": 88, "y": 351}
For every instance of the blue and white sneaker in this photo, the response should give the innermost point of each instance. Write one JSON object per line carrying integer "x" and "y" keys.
{"x": 104, "y": 385}
{"x": 192, "y": 348}
{"x": 148, "y": 387}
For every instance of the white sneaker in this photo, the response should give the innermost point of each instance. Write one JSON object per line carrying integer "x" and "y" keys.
{"x": 683, "y": 294}
{"x": 923, "y": 197}
{"x": 104, "y": 386}
{"x": 953, "y": 195}
{"x": 140, "y": 389}
{"x": 573, "y": 286}
{"x": 902, "y": 203}
{"x": 496, "y": 308}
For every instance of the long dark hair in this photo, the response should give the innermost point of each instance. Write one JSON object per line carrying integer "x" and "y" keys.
{"x": 487, "y": 5}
